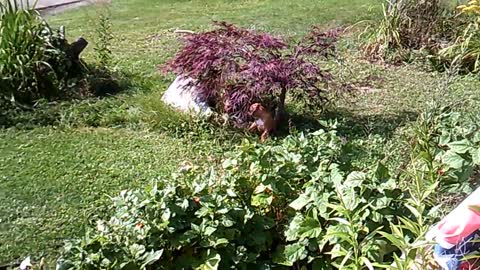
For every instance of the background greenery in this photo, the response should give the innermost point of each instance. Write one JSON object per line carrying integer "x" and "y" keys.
{"x": 58, "y": 165}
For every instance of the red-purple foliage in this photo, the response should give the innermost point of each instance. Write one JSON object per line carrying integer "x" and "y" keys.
{"x": 234, "y": 67}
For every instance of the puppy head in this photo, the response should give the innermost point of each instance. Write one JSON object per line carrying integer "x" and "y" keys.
{"x": 254, "y": 108}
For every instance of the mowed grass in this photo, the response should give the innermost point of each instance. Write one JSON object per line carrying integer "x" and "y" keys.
{"x": 54, "y": 179}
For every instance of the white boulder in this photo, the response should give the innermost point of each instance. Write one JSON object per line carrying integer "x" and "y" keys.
{"x": 25, "y": 264}
{"x": 184, "y": 97}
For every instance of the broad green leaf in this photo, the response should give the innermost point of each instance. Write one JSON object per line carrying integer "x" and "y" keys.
{"x": 390, "y": 184}
{"x": 227, "y": 222}
{"x": 355, "y": 179}
{"x": 209, "y": 231}
{"x": 222, "y": 211}
{"x": 350, "y": 199}
{"x": 476, "y": 137}
{"x": 199, "y": 187}
{"x": 381, "y": 203}
{"x": 295, "y": 252}
{"x": 337, "y": 252}
{"x": 248, "y": 215}
{"x": 321, "y": 203}
{"x": 280, "y": 258}
{"x": 152, "y": 257}
{"x": 262, "y": 200}
{"x": 336, "y": 176}
{"x": 381, "y": 172}
{"x": 453, "y": 159}
{"x": 292, "y": 233}
{"x": 153, "y": 189}
{"x": 196, "y": 228}
{"x": 231, "y": 193}
{"x": 229, "y": 163}
{"x": 184, "y": 205}
{"x": 295, "y": 158}
{"x": 300, "y": 202}
{"x": 212, "y": 262}
{"x": 166, "y": 215}
{"x": 310, "y": 228}
{"x": 444, "y": 139}
{"x": 221, "y": 242}
{"x": 460, "y": 147}
{"x": 137, "y": 250}
{"x": 476, "y": 156}
{"x": 301, "y": 228}
{"x": 261, "y": 188}
{"x": 202, "y": 212}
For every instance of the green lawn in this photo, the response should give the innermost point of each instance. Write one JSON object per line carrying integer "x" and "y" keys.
{"x": 53, "y": 179}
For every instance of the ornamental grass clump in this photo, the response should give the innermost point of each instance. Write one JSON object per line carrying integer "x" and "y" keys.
{"x": 408, "y": 26}
{"x": 35, "y": 61}
{"x": 465, "y": 50}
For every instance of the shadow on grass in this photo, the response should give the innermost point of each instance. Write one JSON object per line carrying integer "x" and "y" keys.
{"x": 361, "y": 126}
{"x": 351, "y": 125}
{"x": 367, "y": 138}
{"x": 94, "y": 83}
{"x": 101, "y": 82}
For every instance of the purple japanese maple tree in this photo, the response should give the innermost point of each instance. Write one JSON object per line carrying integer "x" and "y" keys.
{"x": 233, "y": 67}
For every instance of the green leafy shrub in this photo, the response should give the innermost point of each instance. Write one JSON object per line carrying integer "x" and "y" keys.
{"x": 430, "y": 176}
{"x": 33, "y": 61}
{"x": 444, "y": 155}
{"x": 447, "y": 144}
{"x": 271, "y": 206}
{"x": 213, "y": 220}
{"x": 292, "y": 205}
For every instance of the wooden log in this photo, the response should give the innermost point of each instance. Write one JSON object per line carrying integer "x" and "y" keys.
{"x": 75, "y": 49}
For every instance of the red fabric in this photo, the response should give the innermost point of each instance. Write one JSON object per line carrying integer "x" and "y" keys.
{"x": 460, "y": 223}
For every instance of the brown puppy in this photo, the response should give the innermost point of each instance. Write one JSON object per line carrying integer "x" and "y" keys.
{"x": 264, "y": 121}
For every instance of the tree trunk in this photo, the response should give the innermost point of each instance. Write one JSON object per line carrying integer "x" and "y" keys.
{"x": 280, "y": 113}
{"x": 76, "y": 48}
